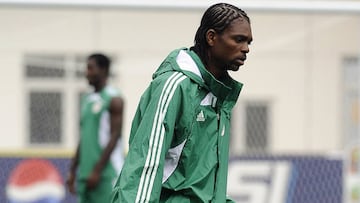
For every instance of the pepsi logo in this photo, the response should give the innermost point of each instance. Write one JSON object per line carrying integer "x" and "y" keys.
{"x": 35, "y": 181}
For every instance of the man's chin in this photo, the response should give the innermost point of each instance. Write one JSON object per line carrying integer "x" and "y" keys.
{"x": 234, "y": 67}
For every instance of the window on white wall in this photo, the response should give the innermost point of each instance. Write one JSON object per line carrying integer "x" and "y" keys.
{"x": 351, "y": 100}
{"x": 54, "y": 84}
{"x": 79, "y": 66}
{"x": 50, "y": 66}
{"x": 45, "y": 117}
{"x": 44, "y": 77}
{"x": 257, "y": 126}
{"x": 250, "y": 131}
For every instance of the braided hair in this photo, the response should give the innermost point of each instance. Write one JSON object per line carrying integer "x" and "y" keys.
{"x": 218, "y": 17}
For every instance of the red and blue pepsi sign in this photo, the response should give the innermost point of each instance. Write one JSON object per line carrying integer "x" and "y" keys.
{"x": 35, "y": 181}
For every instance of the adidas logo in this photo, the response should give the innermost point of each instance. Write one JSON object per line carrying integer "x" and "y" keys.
{"x": 200, "y": 116}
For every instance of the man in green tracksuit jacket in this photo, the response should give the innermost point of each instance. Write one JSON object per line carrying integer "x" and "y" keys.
{"x": 179, "y": 140}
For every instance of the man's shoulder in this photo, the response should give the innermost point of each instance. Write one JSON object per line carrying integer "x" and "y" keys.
{"x": 112, "y": 91}
{"x": 170, "y": 78}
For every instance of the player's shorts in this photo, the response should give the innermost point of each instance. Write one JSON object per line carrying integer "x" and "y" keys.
{"x": 101, "y": 193}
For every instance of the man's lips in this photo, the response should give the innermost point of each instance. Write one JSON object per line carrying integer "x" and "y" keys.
{"x": 241, "y": 61}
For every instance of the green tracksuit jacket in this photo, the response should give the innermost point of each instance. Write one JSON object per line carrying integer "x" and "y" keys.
{"x": 179, "y": 140}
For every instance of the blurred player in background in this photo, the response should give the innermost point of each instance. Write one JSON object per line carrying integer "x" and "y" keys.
{"x": 179, "y": 141}
{"x": 99, "y": 156}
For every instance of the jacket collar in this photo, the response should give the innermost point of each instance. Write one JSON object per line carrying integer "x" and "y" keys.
{"x": 229, "y": 89}
{"x": 189, "y": 63}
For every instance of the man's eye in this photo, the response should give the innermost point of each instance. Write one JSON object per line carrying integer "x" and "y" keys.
{"x": 239, "y": 39}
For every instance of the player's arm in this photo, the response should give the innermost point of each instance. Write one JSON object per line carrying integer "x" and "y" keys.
{"x": 151, "y": 135}
{"x": 70, "y": 182}
{"x": 116, "y": 120}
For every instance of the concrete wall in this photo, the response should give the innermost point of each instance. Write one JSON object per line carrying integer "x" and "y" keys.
{"x": 295, "y": 64}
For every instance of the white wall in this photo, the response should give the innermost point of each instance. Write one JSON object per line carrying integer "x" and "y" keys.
{"x": 294, "y": 63}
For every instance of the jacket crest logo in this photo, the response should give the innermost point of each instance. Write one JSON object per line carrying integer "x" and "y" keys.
{"x": 200, "y": 116}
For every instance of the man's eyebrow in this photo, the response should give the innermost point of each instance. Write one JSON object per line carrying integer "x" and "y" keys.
{"x": 249, "y": 39}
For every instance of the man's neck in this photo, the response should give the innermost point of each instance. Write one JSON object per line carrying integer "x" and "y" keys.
{"x": 99, "y": 86}
{"x": 216, "y": 72}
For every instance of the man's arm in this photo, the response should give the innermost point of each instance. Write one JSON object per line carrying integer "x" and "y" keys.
{"x": 70, "y": 182}
{"x": 116, "y": 120}
{"x": 151, "y": 135}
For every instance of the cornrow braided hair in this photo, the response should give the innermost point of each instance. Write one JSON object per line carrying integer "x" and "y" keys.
{"x": 218, "y": 17}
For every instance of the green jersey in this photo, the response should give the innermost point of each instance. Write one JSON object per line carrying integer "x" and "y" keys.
{"x": 179, "y": 140}
{"x": 95, "y": 134}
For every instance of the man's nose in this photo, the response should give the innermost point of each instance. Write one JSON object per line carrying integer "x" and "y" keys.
{"x": 245, "y": 48}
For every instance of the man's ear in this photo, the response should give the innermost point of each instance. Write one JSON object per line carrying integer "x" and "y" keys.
{"x": 210, "y": 37}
